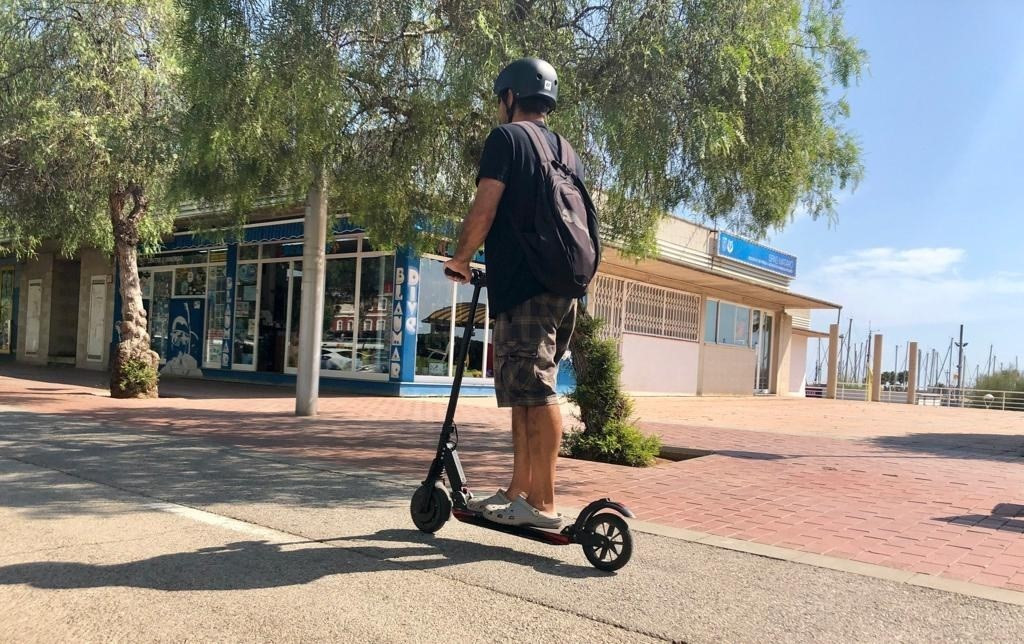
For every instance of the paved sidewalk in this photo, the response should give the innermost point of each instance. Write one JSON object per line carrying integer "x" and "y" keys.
{"x": 112, "y": 534}
{"x": 927, "y": 490}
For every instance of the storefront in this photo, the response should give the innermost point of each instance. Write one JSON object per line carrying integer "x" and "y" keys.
{"x": 8, "y": 313}
{"x": 712, "y": 314}
{"x": 692, "y": 321}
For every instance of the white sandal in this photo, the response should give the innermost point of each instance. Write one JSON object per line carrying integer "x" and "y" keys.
{"x": 521, "y": 513}
{"x": 496, "y": 499}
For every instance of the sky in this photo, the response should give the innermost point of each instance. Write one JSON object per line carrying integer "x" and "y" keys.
{"x": 932, "y": 237}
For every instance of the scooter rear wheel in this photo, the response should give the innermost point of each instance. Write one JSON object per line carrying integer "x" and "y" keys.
{"x": 431, "y": 507}
{"x": 618, "y": 548}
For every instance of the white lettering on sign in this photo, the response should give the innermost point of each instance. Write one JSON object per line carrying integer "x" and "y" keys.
{"x": 410, "y": 325}
{"x": 396, "y": 324}
{"x": 411, "y": 292}
{"x": 399, "y": 276}
{"x": 395, "y": 356}
{"x": 396, "y": 339}
{"x": 396, "y": 370}
{"x": 398, "y": 308}
{"x": 410, "y": 309}
{"x": 414, "y": 277}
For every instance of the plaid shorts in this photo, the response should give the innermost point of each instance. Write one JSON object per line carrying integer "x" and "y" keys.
{"x": 529, "y": 341}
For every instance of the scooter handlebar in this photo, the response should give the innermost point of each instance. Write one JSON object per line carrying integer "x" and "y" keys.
{"x": 478, "y": 277}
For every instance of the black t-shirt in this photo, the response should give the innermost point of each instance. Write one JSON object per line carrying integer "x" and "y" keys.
{"x": 509, "y": 157}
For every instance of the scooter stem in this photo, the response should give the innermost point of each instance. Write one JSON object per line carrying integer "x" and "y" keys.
{"x": 478, "y": 280}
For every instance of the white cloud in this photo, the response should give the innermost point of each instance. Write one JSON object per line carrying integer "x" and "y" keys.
{"x": 893, "y": 263}
{"x": 913, "y": 287}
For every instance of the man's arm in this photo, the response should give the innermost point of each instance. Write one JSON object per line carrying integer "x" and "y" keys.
{"x": 475, "y": 227}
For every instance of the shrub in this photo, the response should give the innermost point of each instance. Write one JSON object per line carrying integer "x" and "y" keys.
{"x": 608, "y": 433}
{"x": 137, "y": 377}
{"x": 1007, "y": 380}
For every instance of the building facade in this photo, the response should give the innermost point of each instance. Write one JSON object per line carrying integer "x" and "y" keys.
{"x": 711, "y": 314}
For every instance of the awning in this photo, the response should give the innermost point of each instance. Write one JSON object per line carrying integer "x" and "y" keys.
{"x": 444, "y": 316}
{"x": 810, "y": 333}
{"x": 283, "y": 231}
{"x": 672, "y": 274}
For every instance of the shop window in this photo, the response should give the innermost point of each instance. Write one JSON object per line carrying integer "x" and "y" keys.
{"x": 346, "y": 246}
{"x": 659, "y": 311}
{"x": 282, "y": 250}
{"x": 741, "y": 331}
{"x": 733, "y": 324}
{"x": 711, "y": 321}
{"x": 433, "y": 332}
{"x": 604, "y": 301}
{"x": 6, "y": 309}
{"x": 160, "y": 312}
{"x": 336, "y": 347}
{"x": 376, "y": 294}
{"x": 190, "y": 281}
{"x": 216, "y": 312}
{"x": 246, "y": 294}
{"x": 146, "y": 284}
{"x": 444, "y": 314}
{"x": 248, "y": 252}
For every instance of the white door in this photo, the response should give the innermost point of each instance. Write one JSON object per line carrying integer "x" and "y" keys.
{"x": 35, "y": 304}
{"x": 97, "y": 319}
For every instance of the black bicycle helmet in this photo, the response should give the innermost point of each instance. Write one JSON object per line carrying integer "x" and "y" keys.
{"x": 527, "y": 78}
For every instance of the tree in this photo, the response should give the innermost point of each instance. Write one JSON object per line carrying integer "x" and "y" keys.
{"x": 87, "y": 107}
{"x": 723, "y": 108}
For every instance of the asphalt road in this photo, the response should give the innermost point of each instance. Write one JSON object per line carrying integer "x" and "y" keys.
{"x": 107, "y": 533}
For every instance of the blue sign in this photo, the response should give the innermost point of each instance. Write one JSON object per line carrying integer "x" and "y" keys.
{"x": 185, "y": 347}
{"x": 756, "y": 255}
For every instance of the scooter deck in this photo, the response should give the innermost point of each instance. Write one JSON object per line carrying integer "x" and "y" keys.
{"x": 527, "y": 532}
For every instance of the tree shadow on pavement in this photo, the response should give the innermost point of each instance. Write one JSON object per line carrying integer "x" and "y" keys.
{"x": 247, "y": 565}
{"x": 194, "y": 459}
{"x": 994, "y": 447}
{"x": 1003, "y": 517}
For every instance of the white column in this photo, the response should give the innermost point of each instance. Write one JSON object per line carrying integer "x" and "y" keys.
{"x": 314, "y": 270}
{"x": 783, "y": 353}
{"x": 912, "y": 375}
{"x": 876, "y": 374}
{"x": 833, "y": 360}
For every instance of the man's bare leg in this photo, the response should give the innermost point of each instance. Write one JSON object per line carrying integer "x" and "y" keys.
{"x": 544, "y": 432}
{"x": 520, "y": 454}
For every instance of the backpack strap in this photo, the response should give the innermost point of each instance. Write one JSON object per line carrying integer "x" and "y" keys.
{"x": 543, "y": 148}
{"x": 540, "y": 146}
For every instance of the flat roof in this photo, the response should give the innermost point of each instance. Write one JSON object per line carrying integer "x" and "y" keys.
{"x": 667, "y": 272}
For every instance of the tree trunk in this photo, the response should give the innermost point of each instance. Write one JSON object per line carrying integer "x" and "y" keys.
{"x": 133, "y": 367}
{"x": 311, "y": 315}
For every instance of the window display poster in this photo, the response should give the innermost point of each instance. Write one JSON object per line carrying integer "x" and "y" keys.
{"x": 190, "y": 281}
{"x": 184, "y": 347}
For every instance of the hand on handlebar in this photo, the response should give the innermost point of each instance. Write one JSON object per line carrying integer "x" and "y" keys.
{"x": 458, "y": 271}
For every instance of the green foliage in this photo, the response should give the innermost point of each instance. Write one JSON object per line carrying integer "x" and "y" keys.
{"x": 608, "y": 434}
{"x": 1006, "y": 380}
{"x": 620, "y": 443}
{"x": 893, "y": 378}
{"x": 87, "y": 110}
{"x": 729, "y": 109}
{"x": 137, "y": 377}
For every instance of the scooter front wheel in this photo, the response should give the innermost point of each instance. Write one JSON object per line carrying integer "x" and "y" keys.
{"x": 431, "y": 507}
{"x": 616, "y": 546}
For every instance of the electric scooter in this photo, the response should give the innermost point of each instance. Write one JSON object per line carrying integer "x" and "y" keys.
{"x": 605, "y": 536}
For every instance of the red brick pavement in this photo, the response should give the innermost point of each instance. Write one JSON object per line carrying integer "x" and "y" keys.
{"x": 934, "y": 491}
